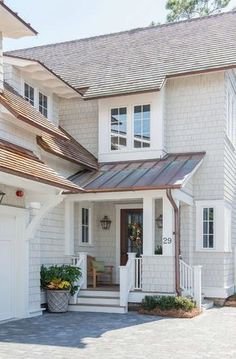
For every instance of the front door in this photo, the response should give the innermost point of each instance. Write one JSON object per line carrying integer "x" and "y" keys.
{"x": 131, "y": 239}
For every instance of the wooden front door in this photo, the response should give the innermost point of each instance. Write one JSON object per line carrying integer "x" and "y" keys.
{"x": 128, "y": 217}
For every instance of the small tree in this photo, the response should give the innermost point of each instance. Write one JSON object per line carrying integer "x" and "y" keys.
{"x": 188, "y": 9}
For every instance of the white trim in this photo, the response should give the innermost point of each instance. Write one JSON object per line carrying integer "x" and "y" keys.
{"x": 21, "y": 261}
{"x": 118, "y": 208}
{"x": 218, "y": 292}
{"x": 116, "y": 196}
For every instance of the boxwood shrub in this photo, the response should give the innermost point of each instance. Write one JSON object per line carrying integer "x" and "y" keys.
{"x": 167, "y": 303}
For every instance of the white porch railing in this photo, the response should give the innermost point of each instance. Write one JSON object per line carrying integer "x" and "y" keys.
{"x": 190, "y": 282}
{"x": 130, "y": 278}
{"x": 80, "y": 261}
{"x": 138, "y": 273}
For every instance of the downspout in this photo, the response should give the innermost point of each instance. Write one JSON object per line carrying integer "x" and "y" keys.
{"x": 177, "y": 240}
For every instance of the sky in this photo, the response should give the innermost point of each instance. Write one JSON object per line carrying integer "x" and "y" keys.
{"x": 64, "y": 20}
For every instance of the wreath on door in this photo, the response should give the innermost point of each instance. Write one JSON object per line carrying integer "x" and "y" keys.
{"x": 135, "y": 231}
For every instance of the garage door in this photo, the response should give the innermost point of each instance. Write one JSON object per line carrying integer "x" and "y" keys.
{"x": 7, "y": 243}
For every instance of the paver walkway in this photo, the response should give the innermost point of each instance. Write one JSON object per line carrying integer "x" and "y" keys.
{"x": 95, "y": 335}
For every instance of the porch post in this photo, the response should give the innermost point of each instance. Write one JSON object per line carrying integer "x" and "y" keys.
{"x": 148, "y": 226}
{"x": 69, "y": 228}
{"x": 168, "y": 228}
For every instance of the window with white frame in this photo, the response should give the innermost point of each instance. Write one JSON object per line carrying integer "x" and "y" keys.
{"x": 208, "y": 227}
{"x": 29, "y": 93}
{"x": 141, "y": 125}
{"x": 85, "y": 225}
{"x": 118, "y": 128}
{"x": 130, "y": 127}
{"x": 231, "y": 113}
{"x": 213, "y": 226}
{"x": 43, "y": 104}
{"x": 37, "y": 99}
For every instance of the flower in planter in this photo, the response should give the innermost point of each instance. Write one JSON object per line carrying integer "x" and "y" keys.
{"x": 59, "y": 284}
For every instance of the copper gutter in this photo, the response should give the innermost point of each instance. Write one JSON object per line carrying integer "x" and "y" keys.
{"x": 177, "y": 240}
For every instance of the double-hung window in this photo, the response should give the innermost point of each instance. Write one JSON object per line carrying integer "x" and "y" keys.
{"x": 208, "y": 228}
{"x": 29, "y": 93}
{"x": 141, "y": 126}
{"x": 118, "y": 128}
{"x": 43, "y": 104}
{"x": 85, "y": 225}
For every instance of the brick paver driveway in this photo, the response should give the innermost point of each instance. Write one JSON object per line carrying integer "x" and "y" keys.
{"x": 90, "y": 335}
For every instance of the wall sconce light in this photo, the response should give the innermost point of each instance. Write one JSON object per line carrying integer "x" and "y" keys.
{"x": 2, "y": 194}
{"x": 159, "y": 221}
{"x": 105, "y": 222}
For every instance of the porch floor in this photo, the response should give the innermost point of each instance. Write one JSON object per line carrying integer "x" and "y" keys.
{"x": 102, "y": 287}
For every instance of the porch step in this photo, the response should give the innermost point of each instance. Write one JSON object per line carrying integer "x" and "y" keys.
{"x": 99, "y": 308}
{"x": 207, "y": 304}
{"x": 95, "y": 300}
{"x": 101, "y": 300}
{"x": 98, "y": 293}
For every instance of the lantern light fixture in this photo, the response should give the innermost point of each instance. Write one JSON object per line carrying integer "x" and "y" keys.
{"x": 159, "y": 221}
{"x": 105, "y": 223}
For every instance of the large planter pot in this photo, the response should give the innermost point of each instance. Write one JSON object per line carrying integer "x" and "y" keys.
{"x": 57, "y": 300}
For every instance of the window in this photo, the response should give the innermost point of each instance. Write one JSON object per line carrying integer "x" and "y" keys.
{"x": 208, "y": 228}
{"x": 43, "y": 104}
{"x": 141, "y": 126}
{"x": 29, "y": 93}
{"x": 85, "y": 225}
{"x": 213, "y": 226}
{"x": 118, "y": 128}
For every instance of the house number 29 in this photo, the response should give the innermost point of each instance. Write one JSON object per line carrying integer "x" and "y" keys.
{"x": 167, "y": 240}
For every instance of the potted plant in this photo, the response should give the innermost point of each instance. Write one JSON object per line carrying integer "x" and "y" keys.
{"x": 59, "y": 282}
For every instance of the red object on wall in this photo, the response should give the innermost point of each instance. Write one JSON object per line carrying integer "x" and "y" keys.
{"x": 19, "y": 193}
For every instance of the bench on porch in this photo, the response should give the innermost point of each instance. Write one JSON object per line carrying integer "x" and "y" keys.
{"x": 95, "y": 274}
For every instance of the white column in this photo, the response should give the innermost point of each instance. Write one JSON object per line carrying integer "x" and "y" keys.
{"x": 235, "y": 268}
{"x": 69, "y": 228}
{"x": 197, "y": 285}
{"x": 148, "y": 226}
{"x": 168, "y": 236}
{"x": 83, "y": 258}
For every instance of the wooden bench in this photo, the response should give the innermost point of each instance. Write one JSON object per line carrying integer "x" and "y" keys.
{"x": 95, "y": 275}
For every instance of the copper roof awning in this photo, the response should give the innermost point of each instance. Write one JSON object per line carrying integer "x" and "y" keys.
{"x": 24, "y": 163}
{"x": 172, "y": 171}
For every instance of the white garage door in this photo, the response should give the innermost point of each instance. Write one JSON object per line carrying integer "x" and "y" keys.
{"x": 7, "y": 244}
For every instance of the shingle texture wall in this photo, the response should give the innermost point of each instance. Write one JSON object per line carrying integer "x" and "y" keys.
{"x": 80, "y": 119}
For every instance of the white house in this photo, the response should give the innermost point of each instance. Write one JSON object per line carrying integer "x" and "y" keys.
{"x": 137, "y": 127}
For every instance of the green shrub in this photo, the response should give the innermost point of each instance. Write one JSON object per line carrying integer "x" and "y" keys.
{"x": 167, "y": 303}
{"x": 64, "y": 272}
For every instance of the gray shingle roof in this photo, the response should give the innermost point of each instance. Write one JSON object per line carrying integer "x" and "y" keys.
{"x": 140, "y": 59}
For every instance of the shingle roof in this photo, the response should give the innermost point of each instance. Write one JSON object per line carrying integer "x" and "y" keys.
{"x": 170, "y": 172}
{"x": 21, "y": 162}
{"x": 25, "y": 112}
{"x": 140, "y": 59}
{"x": 69, "y": 149}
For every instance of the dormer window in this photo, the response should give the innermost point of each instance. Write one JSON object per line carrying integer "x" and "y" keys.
{"x": 118, "y": 128}
{"x": 142, "y": 126}
{"x": 130, "y": 127}
{"x": 29, "y": 93}
{"x": 43, "y": 104}
{"x": 37, "y": 99}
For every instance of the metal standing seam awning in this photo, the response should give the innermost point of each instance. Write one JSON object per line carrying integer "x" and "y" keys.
{"x": 172, "y": 171}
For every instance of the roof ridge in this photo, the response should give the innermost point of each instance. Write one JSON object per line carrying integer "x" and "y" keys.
{"x": 146, "y": 28}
